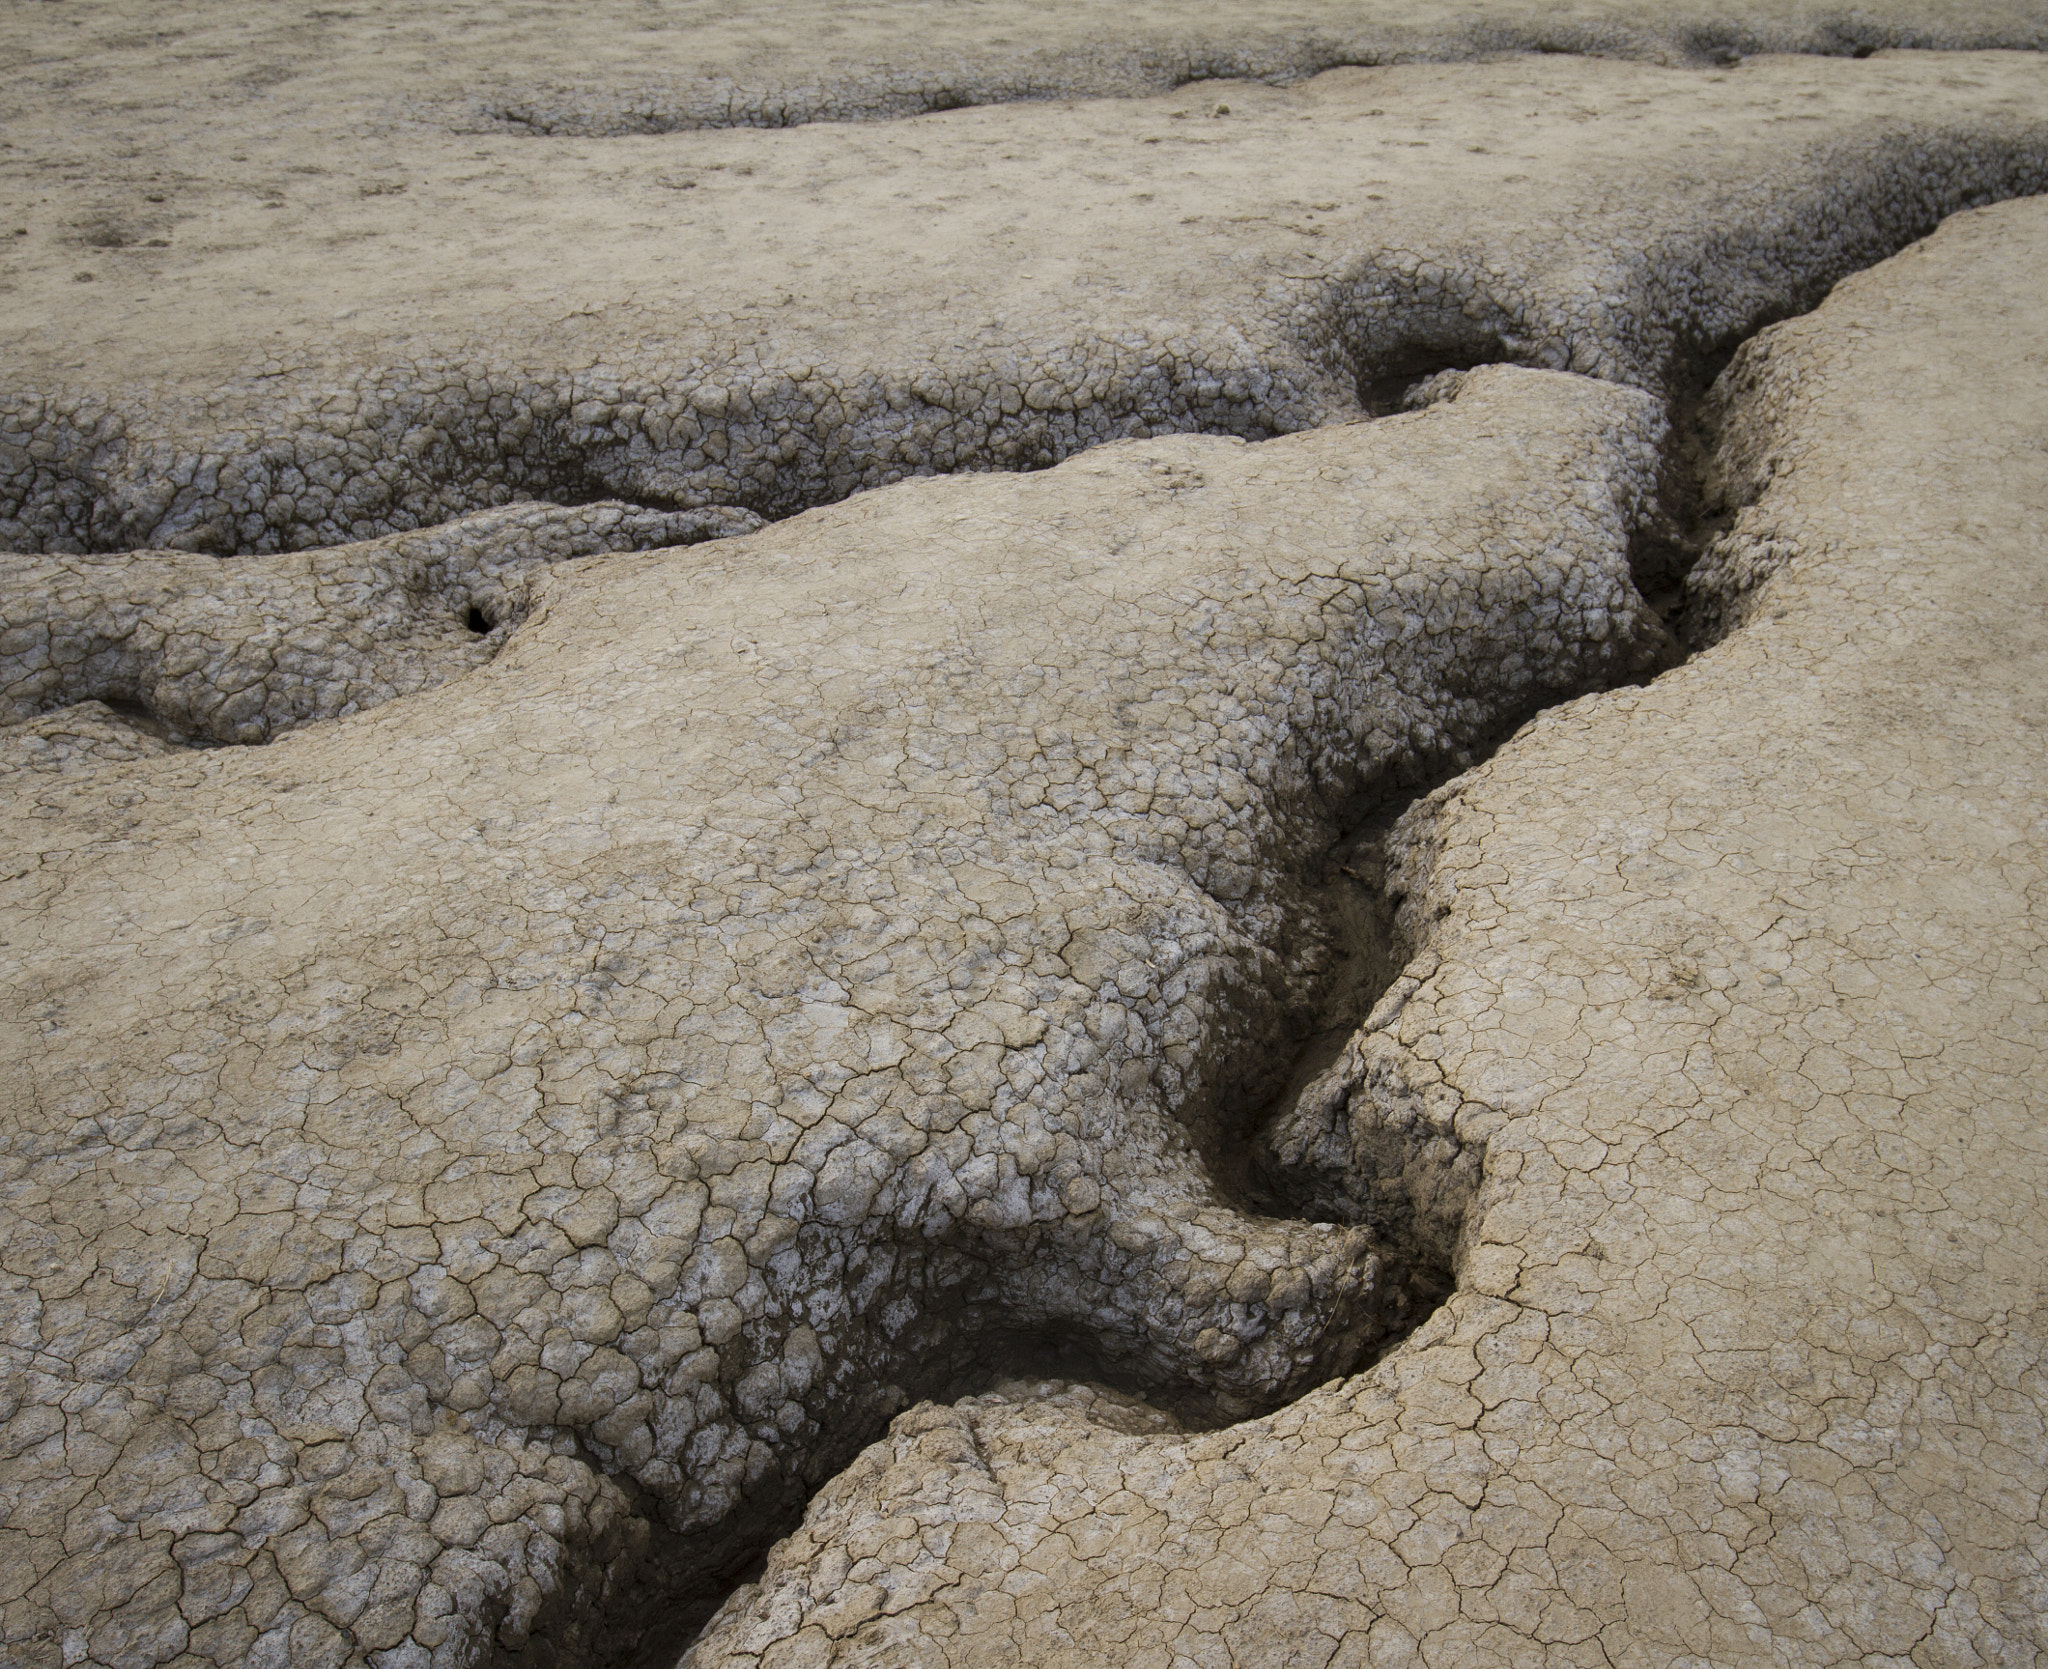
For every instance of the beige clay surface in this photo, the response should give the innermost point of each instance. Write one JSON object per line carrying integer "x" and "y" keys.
{"x": 529, "y": 1036}
{"x": 775, "y": 319}
{"x": 1739, "y": 979}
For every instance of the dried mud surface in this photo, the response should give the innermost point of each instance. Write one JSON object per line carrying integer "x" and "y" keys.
{"x": 1738, "y": 976}
{"x": 774, "y": 320}
{"x": 544, "y": 1005}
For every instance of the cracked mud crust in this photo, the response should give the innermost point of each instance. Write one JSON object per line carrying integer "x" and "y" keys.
{"x": 777, "y": 319}
{"x": 1739, "y": 978}
{"x": 543, "y": 1008}
{"x": 785, "y": 970}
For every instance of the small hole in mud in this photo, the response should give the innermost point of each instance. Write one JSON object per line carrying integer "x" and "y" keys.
{"x": 133, "y": 711}
{"x": 1384, "y": 386}
{"x": 478, "y": 621}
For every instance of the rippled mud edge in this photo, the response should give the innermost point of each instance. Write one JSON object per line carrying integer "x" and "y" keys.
{"x": 887, "y": 92}
{"x": 638, "y": 1596}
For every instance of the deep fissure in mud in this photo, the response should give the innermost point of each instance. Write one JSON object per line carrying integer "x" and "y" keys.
{"x": 1691, "y": 511}
{"x": 1401, "y": 379}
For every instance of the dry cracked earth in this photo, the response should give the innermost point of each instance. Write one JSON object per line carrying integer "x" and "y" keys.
{"x": 949, "y": 835}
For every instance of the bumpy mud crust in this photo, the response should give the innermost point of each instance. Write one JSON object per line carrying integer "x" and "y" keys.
{"x": 542, "y": 1007}
{"x": 1737, "y": 978}
{"x": 775, "y": 320}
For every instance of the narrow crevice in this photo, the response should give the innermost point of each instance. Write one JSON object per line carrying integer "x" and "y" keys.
{"x": 1370, "y": 953}
{"x": 637, "y": 1598}
{"x": 573, "y": 486}
{"x": 1366, "y": 948}
{"x": 1688, "y": 514}
{"x": 680, "y": 1580}
{"x": 1357, "y": 887}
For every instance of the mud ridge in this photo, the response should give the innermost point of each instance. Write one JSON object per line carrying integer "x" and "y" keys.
{"x": 632, "y": 1591}
{"x": 1410, "y": 1191}
{"x": 309, "y": 461}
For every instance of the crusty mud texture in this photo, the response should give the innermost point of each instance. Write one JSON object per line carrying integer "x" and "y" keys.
{"x": 1738, "y": 978}
{"x": 702, "y": 838}
{"x": 237, "y": 652}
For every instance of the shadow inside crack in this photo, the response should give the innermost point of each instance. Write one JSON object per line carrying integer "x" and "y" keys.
{"x": 1411, "y": 1187}
{"x": 637, "y": 1594}
{"x": 1405, "y": 376}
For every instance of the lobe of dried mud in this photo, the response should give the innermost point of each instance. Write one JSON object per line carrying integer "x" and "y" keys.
{"x": 786, "y": 968}
{"x": 1738, "y": 977}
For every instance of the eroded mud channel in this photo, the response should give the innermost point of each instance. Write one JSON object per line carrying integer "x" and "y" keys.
{"x": 1283, "y": 1142}
{"x": 545, "y": 1025}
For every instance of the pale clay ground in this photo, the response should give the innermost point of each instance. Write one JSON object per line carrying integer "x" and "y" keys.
{"x": 476, "y": 1158}
{"x": 1746, "y": 1362}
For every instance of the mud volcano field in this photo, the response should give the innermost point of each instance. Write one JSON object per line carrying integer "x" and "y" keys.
{"x": 957, "y": 835}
